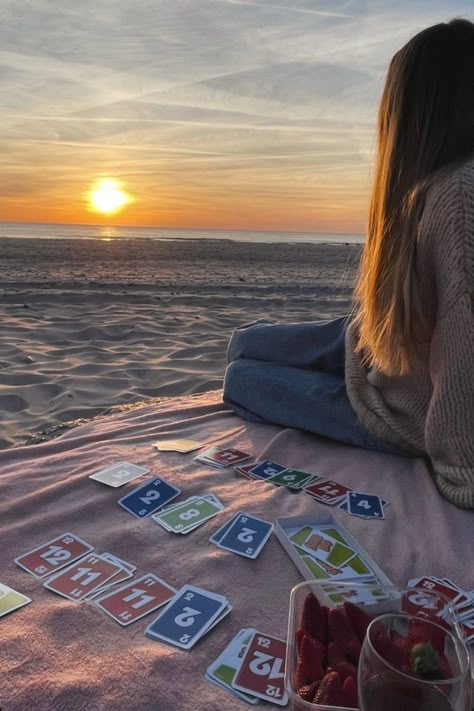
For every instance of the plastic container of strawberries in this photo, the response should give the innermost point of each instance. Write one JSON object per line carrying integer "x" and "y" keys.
{"x": 396, "y": 601}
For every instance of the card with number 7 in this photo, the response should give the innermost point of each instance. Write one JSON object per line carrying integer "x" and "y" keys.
{"x": 149, "y": 497}
{"x": 134, "y": 600}
{"x": 262, "y": 672}
{"x": 53, "y": 555}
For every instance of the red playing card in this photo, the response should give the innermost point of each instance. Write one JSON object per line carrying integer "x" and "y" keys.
{"x": 438, "y": 587}
{"x": 137, "y": 599}
{"x": 327, "y": 491}
{"x": 262, "y": 672}
{"x": 55, "y": 554}
{"x": 229, "y": 456}
{"x": 83, "y": 577}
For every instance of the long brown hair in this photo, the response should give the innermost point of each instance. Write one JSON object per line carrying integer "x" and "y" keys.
{"x": 425, "y": 125}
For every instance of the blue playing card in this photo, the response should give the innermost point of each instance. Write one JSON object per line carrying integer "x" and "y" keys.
{"x": 187, "y": 617}
{"x": 266, "y": 469}
{"x": 246, "y": 536}
{"x": 366, "y": 505}
{"x": 220, "y": 533}
{"x": 149, "y": 497}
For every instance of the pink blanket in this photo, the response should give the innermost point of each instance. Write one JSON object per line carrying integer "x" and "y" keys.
{"x": 57, "y": 655}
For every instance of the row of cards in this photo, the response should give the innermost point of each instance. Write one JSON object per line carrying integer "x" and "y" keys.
{"x": 461, "y": 600}
{"x": 252, "y": 667}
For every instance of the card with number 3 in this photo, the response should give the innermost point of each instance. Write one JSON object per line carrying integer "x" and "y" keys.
{"x": 149, "y": 497}
{"x": 262, "y": 672}
{"x": 53, "y": 555}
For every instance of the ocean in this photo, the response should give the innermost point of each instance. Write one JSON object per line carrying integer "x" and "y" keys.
{"x": 22, "y": 230}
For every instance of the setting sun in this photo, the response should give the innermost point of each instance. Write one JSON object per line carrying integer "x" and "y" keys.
{"x": 107, "y": 197}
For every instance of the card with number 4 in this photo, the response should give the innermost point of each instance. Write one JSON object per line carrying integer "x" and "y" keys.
{"x": 53, "y": 555}
{"x": 366, "y": 505}
{"x": 246, "y": 535}
{"x": 133, "y": 601}
{"x": 149, "y": 497}
{"x": 262, "y": 672}
{"x": 188, "y": 617}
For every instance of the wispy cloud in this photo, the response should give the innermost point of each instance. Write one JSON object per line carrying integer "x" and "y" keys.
{"x": 214, "y": 112}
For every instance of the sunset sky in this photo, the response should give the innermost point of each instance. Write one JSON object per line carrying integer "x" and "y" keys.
{"x": 207, "y": 113}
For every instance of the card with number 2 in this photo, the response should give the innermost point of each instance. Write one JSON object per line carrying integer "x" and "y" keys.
{"x": 149, "y": 497}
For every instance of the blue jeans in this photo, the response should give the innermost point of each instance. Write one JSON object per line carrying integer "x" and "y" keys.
{"x": 293, "y": 375}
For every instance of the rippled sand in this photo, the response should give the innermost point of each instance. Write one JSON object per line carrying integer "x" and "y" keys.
{"x": 91, "y": 324}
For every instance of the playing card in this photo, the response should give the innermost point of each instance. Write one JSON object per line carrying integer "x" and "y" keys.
{"x": 326, "y": 549}
{"x": 245, "y": 469}
{"x": 344, "y": 507}
{"x": 327, "y": 491}
{"x": 366, "y": 505}
{"x": 222, "y": 456}
{"x": 368, "y": 594}
{"x": 11, "y": 600}
{"x": 53, "y": 555}
{"x": 262, "y": 672}
{"x": 82, "y": 577}
{"x": 129, "y": 567}
{"x": 130, "y": 602}
{"x": 435, "y": 585}
{"x": 149, "y": 497}
{"x": 224, "y": 669}
{"x": 266, "y": 469}
{"x": 187, "y": 617}
{"x": 217, "y": 536}
{"x": 292, "y": 478}
{"x": 187, "y": 515}
{"x": 178, "y": 445}
{"x": 126, "y": 572}
{"x": 246, "y": 535}
{"x": 119, "y": 474}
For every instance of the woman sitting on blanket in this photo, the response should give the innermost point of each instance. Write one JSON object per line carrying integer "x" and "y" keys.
{"x": 397, "y": 374}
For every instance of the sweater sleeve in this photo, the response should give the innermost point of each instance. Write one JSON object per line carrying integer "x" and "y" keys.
{"x": 449, "y": 431}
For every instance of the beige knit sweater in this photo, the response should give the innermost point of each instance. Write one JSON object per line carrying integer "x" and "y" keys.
{"x": 431, "y": 411}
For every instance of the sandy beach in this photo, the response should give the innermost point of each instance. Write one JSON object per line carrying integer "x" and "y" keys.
{"x": 90, "y": 324}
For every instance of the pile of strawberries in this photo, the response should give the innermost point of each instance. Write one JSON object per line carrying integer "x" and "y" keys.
{"x": 329, "y": 643}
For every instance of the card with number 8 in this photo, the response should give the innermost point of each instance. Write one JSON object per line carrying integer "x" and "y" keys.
{"x": 136, "y": 599}
{"x": 149, "y": 497}
{"x": 262, "y": 672}
{"x": 187, "y": 617}
{"x": 187, "y": 515}
{"x": 53, "y": 555}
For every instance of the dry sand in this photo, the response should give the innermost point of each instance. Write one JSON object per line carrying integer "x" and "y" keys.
{"x": 91, "y": 324}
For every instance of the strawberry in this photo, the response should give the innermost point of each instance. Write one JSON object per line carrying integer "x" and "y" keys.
{"x": 350, "y": 692}
{"x": 389, "y": 651}
{"x": 344, "y": 669}
{"x": 301, "y": 678}
{"x": 311, "y": 657}
{"x": 313, "y": 619}
{"x": 420, "y": 630}
{"x": 339, "y": 627}
{"x": 300, "y": 633}
{"x": 336, "y": 653}
{"x": 330, "y": 691}
{"x": 353, "y": 650}
{"x": 308, "y": 692}
{"x": 359, "y": 619}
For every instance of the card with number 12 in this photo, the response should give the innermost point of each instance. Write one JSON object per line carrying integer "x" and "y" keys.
{"x": 149, "y": 497}
{"x": 53, "y": 555}
{"x": 262, "y": 672}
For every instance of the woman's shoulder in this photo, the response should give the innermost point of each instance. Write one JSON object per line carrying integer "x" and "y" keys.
{"x": 454, "y": 185}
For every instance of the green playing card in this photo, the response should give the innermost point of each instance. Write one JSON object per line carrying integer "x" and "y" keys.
{"x": 188, "y": 515}
{"x": 292, "y": 478}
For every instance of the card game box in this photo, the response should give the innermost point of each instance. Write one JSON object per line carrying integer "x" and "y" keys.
{"x": 332, "y": 556}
